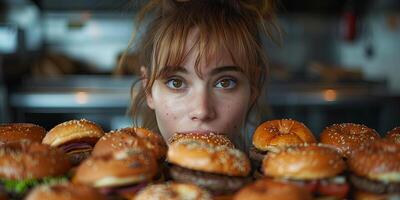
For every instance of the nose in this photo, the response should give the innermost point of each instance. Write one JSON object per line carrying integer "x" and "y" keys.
{"x": 203, "y": 108}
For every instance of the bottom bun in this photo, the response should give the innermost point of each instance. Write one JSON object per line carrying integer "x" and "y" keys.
{"x": 64, "y": 192}
{"x": 172, "y": 191}
{"x": 266, "y": 189}
{"x": 223, "y": 197}
{"x": 361, "y": 195}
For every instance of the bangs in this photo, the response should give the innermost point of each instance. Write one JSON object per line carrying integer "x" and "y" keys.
{"x": 213, "y": 32}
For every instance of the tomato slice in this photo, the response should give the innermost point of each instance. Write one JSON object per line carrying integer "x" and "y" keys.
{"x": 337, "y": 190}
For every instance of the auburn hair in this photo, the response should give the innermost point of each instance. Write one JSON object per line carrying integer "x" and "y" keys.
{"x": 236, "y": 25}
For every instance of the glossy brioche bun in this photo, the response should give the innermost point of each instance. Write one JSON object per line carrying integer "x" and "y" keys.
{"x": 198, "y": 155}
{"x": 361, "y": 195}
{"x": 378, "y": 161}
{"x": 15, "y": 132}
{"x": 124, "y": 168}
{"x": 211, "y": 138}
{"x": 394, "y": 135}
{"x": 25, "y": 160}
{"x": 173, "y": 191}
{"x": 304, "y": 162}
{"x": 347, "y": 137}
{"x": 116, "y": 141}
{"x": 265, "y": 189}
{"x": 153, "y": 141}
{"x": 66, "y": 191}
{"x": 282, "y": 132}
{"x": 73, "y": 131}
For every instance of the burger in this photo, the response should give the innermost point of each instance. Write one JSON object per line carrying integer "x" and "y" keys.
{"x": 75, "y": 137}
{"x": 218, "y": 168}
{"x": 394, "y": 135}
{"x": 210, "y": 138}
{"x": 15, "y": 132}
{"x": 375, "y": 169}
{"x": 348, "y": 137}
{"x": 315, "y": 167}
{"x": 24, "y": 165}
{"x": 173, "y": 191}
{"x": 267, "y": 189}
{"x": 64, "y": 191}
{"x": 131, "y": 137}
{"x": 118, "y": 174}
{"x": 272, "y": 135}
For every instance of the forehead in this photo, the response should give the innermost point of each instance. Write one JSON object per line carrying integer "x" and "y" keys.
{"x": 199, "y": 54}
{"x": 205, "y": 60}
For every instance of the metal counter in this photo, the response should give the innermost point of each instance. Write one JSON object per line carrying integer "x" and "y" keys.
{"x": 106, "y": 99}
{"x": 104, "y": 91}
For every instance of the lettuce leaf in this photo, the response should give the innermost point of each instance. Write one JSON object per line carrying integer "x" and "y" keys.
{"x": 22, "y": 186}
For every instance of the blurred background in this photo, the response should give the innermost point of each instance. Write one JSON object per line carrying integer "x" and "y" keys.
{"x": 339, "y": 61}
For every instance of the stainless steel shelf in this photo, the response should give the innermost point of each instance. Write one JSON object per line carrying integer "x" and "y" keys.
{"x": 107, "y": 92}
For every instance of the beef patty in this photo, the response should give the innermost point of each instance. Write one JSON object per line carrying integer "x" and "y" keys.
{"x": 217, "y": 184}
{"x": 374, "y": 186}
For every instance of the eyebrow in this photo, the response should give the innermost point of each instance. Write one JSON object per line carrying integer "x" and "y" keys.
{"x": 166, "y": 71}
{"x": 226, "y": 68}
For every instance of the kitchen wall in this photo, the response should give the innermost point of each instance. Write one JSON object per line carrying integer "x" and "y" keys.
{"x": 98, "y": 37}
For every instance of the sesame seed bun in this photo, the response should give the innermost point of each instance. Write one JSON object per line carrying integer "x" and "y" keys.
{"x": 379, "y": 161}
{"x": 25, "y": 160}
{"x": 201, "y": 156}
{"x": 304, "y": 162}
{"x": 281, "y": 133}
{"x": 211, "y": 138}
{"x": 347, "y": 137}
{"x": 116, "y": 141}
{"x": 73, "y": 131}
{"x": 153, "y": 141}
{"x": 265, "y": 189}
{"x": 173, "y": 191}
{"x": 65, "y": 191}
{"x": 127, "y": 167}
{"x": 15, "y": 132}
{"x": 394, "y": 135}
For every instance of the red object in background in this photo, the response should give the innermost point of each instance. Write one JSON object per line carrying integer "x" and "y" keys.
{"x": 349, "y": 25}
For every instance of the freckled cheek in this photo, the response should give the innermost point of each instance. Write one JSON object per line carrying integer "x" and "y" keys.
{"x": 233, "y": 115}
{"x": 169, "y": 111}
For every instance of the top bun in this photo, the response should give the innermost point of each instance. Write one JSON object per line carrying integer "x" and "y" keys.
{"x": 379, "y": 161}
{"x": 265, "y": 189}
{"x": 347, "y": 137}
{"x": 25, "y": 160}
{"x": 199, "y": 155}
{"x": 153, "y": 141}
{"x": 66, "y": 191}
{"x": 173, "y": 191}
{"x": 211, "y": 138}
{"x": 73, "y": 131}
{"x": 116, "y": 141}
{"x": 119, "y": 169}
{"x": 131, "y": 137}
{"x": 304, "y": 162}
{"x": 284, "y": 132}
{"x": 394, "y": 135}
{"x": 15, "y": 132}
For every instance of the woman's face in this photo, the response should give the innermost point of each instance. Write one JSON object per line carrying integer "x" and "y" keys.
{"x": 217, "y": 101}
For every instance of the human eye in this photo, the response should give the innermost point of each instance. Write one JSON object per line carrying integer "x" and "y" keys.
{"x": 226, "y": 83}
{"x": 175, "y": 83}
